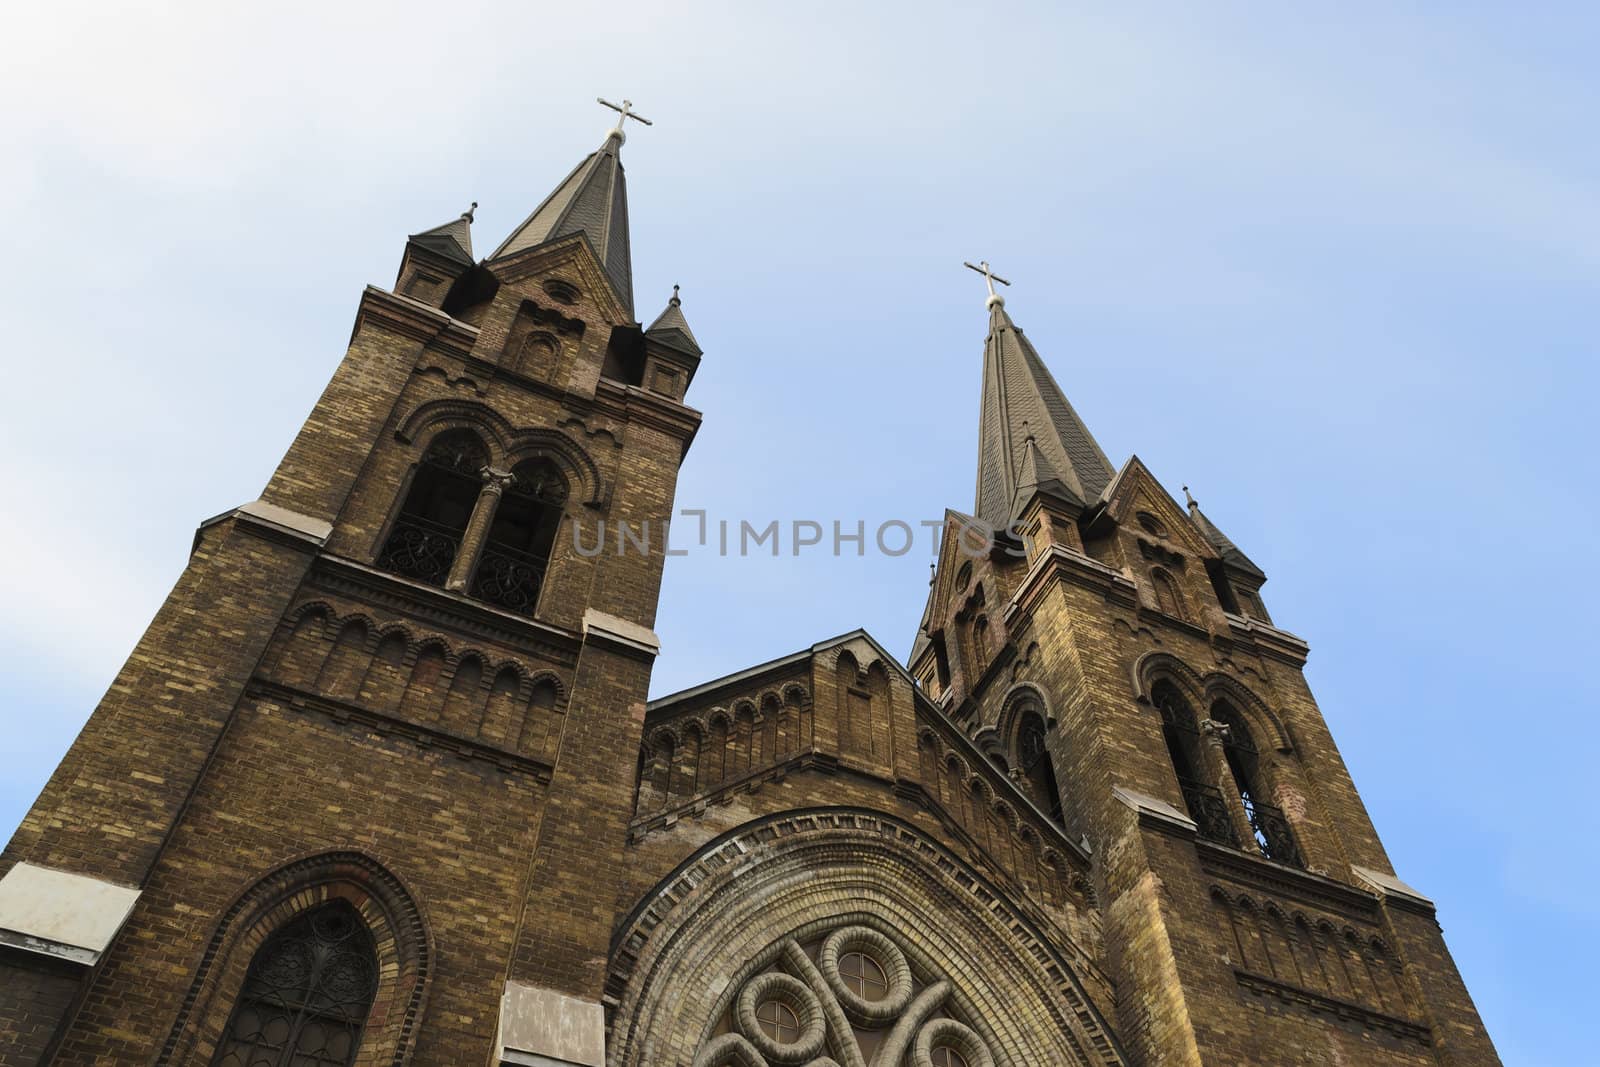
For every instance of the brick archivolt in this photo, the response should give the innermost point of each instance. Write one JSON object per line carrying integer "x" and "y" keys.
{"x": 690, "y": 949}
{"x": 392, "y": 914}
{"x": 507, "y": 444}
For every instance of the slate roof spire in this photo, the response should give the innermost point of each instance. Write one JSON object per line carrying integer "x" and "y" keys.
{"x": 1028, "y": 434}
{"x": 671, "y": 328}
{"x": 592, "y": 200}
{"x": 453, "y": 239}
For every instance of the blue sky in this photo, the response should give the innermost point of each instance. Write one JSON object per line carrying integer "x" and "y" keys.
{"x": 1336, "y": 271}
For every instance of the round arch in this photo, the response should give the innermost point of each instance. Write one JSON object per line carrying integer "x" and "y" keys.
{"x": 751, "y": 896}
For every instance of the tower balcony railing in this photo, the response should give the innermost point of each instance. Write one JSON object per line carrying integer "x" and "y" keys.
{"x": 1272, "y": 834}
{"x": 508, "y": 578}
{"x": 1209, "y": 811}
{"x": 420, "y": 549}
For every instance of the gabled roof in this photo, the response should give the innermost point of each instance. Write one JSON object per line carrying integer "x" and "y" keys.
{"x": 593, "y": 200}
{"x": 453, "y": 239}
{"x": 672, "y": 329}
{"x": 783, "y": 661}
{"x": 1029, "y": 435}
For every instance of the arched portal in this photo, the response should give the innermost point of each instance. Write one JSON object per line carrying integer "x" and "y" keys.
{"x": 845, "y": 934}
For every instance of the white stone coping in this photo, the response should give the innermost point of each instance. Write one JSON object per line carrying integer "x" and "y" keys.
{"x": 544, "y": 1028}
{"x": 279, "y": 518}
{"x": 1156, "y": 809}
{"x": 623, "y": 632}
{"x": 293, "y": 521}
{"x": 70, "y": 916}
{"x": 1390, "y": 886}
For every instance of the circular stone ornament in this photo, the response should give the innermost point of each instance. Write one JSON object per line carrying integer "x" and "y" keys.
{"x": 947, "y": 1033}
{"x": 792, "y": 994}
{"x": 882, "y": 951}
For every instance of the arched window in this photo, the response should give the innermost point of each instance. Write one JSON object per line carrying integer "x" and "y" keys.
{"x": 517, "y": 550}
{"x": 1033, "y": 759}
{"x": 306, "y": 996}
{"x": 1168, "y": 598}
{"x": 980, "y": 646}
{"x": 1267, "y": 822}
{"x": 427, "y": 533}
{"x": 1182, "y": 735}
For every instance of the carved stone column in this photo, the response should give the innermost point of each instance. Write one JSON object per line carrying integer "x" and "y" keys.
{"x": 494, "y": 486}
{"x": 1217, "y": 737}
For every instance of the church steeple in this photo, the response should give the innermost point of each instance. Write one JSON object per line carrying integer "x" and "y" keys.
{"x": 593, "y": 200}
{"x": 453, "y": 239}
{"x": 1029, "y": 436}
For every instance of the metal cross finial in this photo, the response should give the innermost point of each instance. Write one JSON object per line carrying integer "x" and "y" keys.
{"x": 989, "y": 278}
{"x": 624, "y": 113}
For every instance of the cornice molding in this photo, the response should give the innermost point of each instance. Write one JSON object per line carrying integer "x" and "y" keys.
{"x": 1268, "y": 640}
{"x": 444, "y": 608}
{"x": 1066, "y": 565}
{"x": 411, "y": 318}
{"x": 1290, "y": 882}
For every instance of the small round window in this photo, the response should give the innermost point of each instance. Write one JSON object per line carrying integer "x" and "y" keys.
{"x": 778, "y": 1021}
{"x": 945, "y": 1056}
{"x": 1151, "y": 524}
{"x": 864, "y": 976}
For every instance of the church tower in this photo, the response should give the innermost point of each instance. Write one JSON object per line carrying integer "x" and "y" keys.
{"x": 1112, "y": 650}
{"x": 381, "y": 785}
{"x": 360, "y": 793}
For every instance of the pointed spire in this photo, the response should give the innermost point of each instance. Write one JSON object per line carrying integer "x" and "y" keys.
{"x": 453, "y": 238}
{"x": 1229, "y": 551}
{"x": 671, "y": 328}
{"x": 592, "y": 200}
{"x": 1029, "y": 436}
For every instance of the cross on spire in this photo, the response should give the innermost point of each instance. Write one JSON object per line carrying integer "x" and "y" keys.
{"x": 989, "y": 278}
{"x": 624, "y": 113}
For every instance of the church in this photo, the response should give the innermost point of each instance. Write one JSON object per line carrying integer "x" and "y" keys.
{"x": 381, "y": 783}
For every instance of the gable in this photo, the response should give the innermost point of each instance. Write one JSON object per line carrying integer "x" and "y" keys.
{"x": 1135, "y": 494}
{"x": 571, "y": 259}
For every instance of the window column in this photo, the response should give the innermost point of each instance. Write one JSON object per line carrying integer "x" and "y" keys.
{"x": 494, "y": 487}
{"x": 1216, "y": 735}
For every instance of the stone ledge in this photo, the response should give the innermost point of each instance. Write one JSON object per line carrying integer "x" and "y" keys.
{"x": 1156, "y": 813}
{"x": 628, "y": 635}
{"x": 544, "y": 1028}
{"x": 54, "y": 913}
{"x": 1391, "y": 888}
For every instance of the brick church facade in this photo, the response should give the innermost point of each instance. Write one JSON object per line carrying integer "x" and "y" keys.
{"x": 381, "y": 785}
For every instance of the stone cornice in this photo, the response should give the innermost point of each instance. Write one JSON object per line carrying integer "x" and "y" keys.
{"x": 385, "y": 724}
{"x": 633, "y": 404}
{"x": 1287, "y": 882}
{"x": 444, "y": 608}
{"x": 412, "y": 318}
{"x": 1268, "y": 640}
{"x": 1069, "y": 566}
